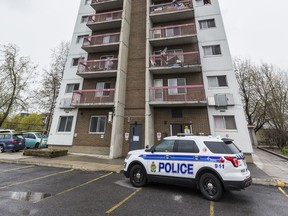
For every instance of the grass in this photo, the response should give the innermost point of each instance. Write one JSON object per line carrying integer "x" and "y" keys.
{"x": 285, "y": 151}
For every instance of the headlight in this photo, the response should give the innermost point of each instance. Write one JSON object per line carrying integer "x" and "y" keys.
{"x": 128, "y": 156}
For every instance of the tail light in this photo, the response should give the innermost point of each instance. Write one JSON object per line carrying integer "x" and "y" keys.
{"x": 233, "y": 160}
{"x": 15, "y": 142}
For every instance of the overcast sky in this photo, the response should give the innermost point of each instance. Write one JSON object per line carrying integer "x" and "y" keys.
{"x": 255, "y": 29}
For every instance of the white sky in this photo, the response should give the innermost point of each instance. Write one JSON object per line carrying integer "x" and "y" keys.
{"x": 255, "y": 29}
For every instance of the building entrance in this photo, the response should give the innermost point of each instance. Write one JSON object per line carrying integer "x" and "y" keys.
{"x": 135, "y": 137}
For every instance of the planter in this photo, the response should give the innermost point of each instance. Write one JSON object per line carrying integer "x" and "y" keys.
{"x": 51, "y": 153}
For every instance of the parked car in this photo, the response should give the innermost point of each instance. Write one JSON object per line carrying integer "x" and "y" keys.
{"x": 33, "y": 139}
{"x": 11, "y": 142}
{"x": 7, "y": 131}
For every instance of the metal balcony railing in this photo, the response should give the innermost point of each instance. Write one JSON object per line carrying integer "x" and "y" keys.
{"x": 94, "y": 66}
{"x": 104, "y": 17}
{"x": 101, "y": 39}
{"x": 175, "y": 60}
{"x": 188, "y": 93}
{"x": 172, "y": 31}
{"x": 92, "y": 97}
{"x": 169, "y": 7}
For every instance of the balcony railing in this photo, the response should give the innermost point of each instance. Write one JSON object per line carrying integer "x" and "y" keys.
{"x": 168, "y": 7}
{"x": 93, "y": 98}
{"x": 188, "y": 94}
{"x": 175, "y": 60}
{"x": 106, "y": 5}
{"x": 172, "y": 31}
{"x": 107, "y": 20}
{"x": 93, "y": 43}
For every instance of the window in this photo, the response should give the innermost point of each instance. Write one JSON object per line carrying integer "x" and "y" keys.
{"x": 165, "y": 146}
{"x": 97, "y": 124}
{"x": 71, "y": 87}
{"x": 186, "y": 146}
{"x": 171, "y": 32}
{"x": 212, "y": 50}
{"x": 217, "y": 81}
{"x": 75, "y": 61}
{"x": 80, "y": 38}
{"x": 225, "y": 122}
{"x": 87, "y": 2}
{"x": 103, "y": 85}
{"x": 65, "y": 124}
{"x": 176, "y": 82}
{"x": 203, "y": 2}
{"x": 84, "y": 19}
{"x": 204, "y": 24}
{"x": 222, "y": 147}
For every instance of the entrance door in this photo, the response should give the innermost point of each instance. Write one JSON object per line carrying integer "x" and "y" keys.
{"x": 180, "y": 128}
{"x": 135, "y": 137}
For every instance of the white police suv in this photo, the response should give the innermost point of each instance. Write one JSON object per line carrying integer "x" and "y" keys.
{"x": 212, "y": 164}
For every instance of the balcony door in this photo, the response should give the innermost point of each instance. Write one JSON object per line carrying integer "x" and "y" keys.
{"x": 158, "y": 93}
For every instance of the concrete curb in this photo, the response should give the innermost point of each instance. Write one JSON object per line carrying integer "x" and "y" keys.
{"x": 274, "y": 153}
{"x": 269, "y": 182}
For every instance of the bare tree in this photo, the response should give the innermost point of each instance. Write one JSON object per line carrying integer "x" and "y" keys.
{"x": 52, "y": 78}
{"x": 15, "y": 72}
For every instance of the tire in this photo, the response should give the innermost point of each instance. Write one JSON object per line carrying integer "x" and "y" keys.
{"x": 138, "y": 177}
{"x": 2, "y": 148}
{"x": 210, "y": 187}
{"x": 36, "y": 146}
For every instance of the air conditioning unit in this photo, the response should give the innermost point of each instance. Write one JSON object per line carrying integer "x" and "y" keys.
{"x": 65, "y": 103}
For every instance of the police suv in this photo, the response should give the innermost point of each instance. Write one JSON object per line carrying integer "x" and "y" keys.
{"x": 212, "y": 164}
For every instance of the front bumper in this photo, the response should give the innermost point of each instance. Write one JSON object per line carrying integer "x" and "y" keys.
{"x": 237, "y": 185}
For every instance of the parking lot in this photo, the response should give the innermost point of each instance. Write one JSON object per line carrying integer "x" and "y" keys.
{"x": 35, "y": 190}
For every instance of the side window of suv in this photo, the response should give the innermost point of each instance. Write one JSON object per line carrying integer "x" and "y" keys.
{"x": 1, "y": 136}
{"x": 7, "y": 136}
{"x": 222, "y": 147}
{"x": 165, "y": 146}
{"x": 186, "y": 146}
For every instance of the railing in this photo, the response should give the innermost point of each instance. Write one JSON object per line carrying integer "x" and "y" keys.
{"x": 101, "y": 39}
{"x": 189, "y": 93}
{"x": 97, "y": 65}
{"x": 172, "y": 31}
{"x": 102, "y": 17}
{"x": 168, "y": 7}
{"x": 92, "y": 97}
{"x": 175, "y": 60}
{"x": 99, "y": 1}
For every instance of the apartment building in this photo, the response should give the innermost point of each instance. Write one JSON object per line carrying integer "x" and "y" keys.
{"x": 141, "y": 70}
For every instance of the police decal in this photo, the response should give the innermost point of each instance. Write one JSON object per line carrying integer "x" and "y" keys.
{"x": 153, "y": 167}
{"x": 181, "y": 168}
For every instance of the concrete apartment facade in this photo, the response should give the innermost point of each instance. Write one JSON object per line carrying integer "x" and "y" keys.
{"x": 141, "y": 70}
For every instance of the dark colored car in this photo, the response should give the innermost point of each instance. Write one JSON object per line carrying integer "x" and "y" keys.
{"x": 12, "y": 142}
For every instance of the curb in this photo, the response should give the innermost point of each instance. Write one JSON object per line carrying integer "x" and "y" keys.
{"x": 274, "y": 153}
{"x": 270, "y": 182}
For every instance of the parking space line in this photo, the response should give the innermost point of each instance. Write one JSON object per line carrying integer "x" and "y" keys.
{"x": 35, "y": 179}
{"x": 78, "y": 186}
{"x": 123, "y": 201}
{"x": 211, "y": 208}
{"x": 282, "y": 191}
{"x": 19, "y": 168}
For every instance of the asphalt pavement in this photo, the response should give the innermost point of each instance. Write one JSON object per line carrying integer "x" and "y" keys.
{"x": 267, "y": 169}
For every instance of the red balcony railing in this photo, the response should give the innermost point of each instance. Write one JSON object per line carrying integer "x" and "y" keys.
{"x": 92, "y": 97}
{"x": 175, "y": 60}
{"x": 93, "y": 66}
{"x": 189, "y": 93}
{"x": 104, "y": 17}
{"x": 173, "y": 31}
{"x": 168, "y": 7}
{"x": 101, "y": 39}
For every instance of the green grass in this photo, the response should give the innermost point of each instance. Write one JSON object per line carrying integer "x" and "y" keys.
{"x": 285, "y": 151}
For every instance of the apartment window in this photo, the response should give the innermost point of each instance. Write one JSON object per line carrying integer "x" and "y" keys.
{"x": 203, "y": 2}
{"x": 97, "y": 124}
{"x": 80, "y": 38}
{"x": 65, "y": 124}
{"x": 75, "y": 61}
{"x": 103, "y": 85}
{"x": 204, "y": 24}
{"x": 84, "y": 19}
{"x": 176, "y": 82}
{"x": 71, "y": 87}
{"x": 225, "y": 122}
{"x": 217, "y": 81}
{"x": 212, "y": 50}
{"x": 87, "y": 2}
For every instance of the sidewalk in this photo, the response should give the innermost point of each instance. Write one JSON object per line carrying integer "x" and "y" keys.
{"x": 267, "y": 169}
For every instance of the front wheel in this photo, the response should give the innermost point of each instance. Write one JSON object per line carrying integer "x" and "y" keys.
{"x": 210, "y": 187}
{"x": 138, "y": 176}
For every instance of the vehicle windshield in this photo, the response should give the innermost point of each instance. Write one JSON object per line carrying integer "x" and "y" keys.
{"x": 39, "y": 135}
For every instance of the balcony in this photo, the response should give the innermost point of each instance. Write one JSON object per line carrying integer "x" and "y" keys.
{"x": 98, "y": 68}
{"x": 93, "y": 98}
{"x": 175, "y": 63}
{"x": 104, "y": 21}
{"x": 101, "y": 43}
{"x": 168, "y": 12}
{"x": 173, "y": 35}
{"x": 189, "y": 95}
{"x": 106, "y": 5}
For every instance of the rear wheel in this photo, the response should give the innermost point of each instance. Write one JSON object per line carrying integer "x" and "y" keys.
{"x": 138, "y": 176}
{"x": 37, "y": 145}
{"x": 210, "y": 187}
{"x": 1, "y": 148}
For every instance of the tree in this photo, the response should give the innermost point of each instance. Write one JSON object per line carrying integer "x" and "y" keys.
{"x": 52, "y": 78}
{"x": 15, "y": 72}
